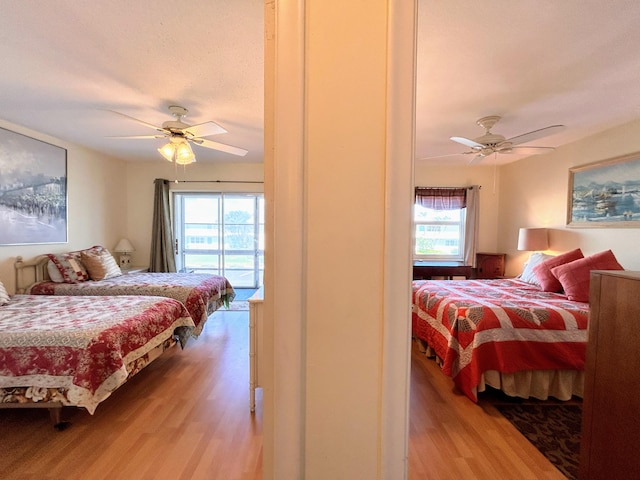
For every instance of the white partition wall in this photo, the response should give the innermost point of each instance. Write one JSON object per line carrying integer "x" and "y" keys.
{"x": 338, "y": 189}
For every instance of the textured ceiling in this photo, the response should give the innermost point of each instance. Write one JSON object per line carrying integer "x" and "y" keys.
{"x": 535, "y": 63}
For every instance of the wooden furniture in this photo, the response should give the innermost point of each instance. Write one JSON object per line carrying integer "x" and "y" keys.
{"x": 490, "y": 265}
{"x": 446, "y": 270}
{"x": 610, "y": 423}
{"x": 256, "y": 335}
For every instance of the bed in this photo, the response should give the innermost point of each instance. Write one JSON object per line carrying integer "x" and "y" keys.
{"x": 202, "y": 294}
{"x": 504, "y": 333}
{"x": 75, "y": 351}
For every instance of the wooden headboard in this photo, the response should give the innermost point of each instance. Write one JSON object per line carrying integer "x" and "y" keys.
{"x": 28, "y": 273}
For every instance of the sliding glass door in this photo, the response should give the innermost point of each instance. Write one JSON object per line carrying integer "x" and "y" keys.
{"x": 221, "y": 233}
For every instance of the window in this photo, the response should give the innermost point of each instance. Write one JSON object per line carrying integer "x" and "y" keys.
{"x": 445, "y": 220}
{"x": 439, "y": 234}
{"x": 221, "y": 233}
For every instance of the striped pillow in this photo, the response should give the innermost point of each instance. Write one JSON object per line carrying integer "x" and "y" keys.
{"x": 100, "y": 264}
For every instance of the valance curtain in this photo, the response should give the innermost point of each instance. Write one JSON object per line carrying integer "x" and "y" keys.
{"x": 442, "y": 198}
{"x": 453, "y": 198}
{"x": 162, "y": 258}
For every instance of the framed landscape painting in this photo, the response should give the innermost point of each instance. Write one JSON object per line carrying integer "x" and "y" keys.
{"x": 33, "y": 190}
{"x": 605, "y": 194}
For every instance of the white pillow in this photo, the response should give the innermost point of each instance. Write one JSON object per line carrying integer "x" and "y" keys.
{"x": 4, "y": 296}
{"x": 527, "y": 274}
{"x": 54, "y": 273}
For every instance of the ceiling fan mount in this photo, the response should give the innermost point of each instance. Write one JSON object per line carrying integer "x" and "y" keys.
{"x": 176, "y": 126}
{"x": 176, "y": 131}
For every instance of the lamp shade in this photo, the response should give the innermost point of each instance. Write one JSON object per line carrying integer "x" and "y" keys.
{"x": 533, "y": 239}
{"x": 124, "y": 246}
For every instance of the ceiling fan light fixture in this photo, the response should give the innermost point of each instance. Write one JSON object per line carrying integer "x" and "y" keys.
{"x": 167, "y": 151}
{"x": 178, "y": 151}
{"x": 184, "y": 155}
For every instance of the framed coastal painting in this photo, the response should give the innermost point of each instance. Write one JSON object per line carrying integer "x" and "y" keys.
{"x": 605, "y": 194}
{"x": 33, "y": 190}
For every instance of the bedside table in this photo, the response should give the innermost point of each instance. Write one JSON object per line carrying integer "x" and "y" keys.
{"x": 490, "y": 265}
{"x": 126, "y": 271}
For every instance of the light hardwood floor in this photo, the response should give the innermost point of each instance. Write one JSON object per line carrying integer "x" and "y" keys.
{"x": 186, "y": 416}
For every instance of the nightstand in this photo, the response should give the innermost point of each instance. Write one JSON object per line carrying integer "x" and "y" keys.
{"x": 490, "y": 265}
{"x": 126, "y": 271}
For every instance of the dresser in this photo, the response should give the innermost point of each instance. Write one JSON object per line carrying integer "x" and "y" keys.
{"x": 256, "y": 342}
{"x": 610, "y": 420}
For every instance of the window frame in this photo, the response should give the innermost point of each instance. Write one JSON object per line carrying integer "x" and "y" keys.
{"x": 439, "y": 257}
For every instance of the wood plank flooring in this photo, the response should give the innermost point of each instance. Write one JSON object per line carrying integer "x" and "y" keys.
{"x": 186, "y": 416}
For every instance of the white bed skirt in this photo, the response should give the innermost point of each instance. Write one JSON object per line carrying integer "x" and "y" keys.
{"x": 540, "y": 384}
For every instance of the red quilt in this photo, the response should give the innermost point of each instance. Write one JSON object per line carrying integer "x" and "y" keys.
{"x": 82, "y": 344}
{"x": 505, "y": 325}
{"x": 202, "y": 294}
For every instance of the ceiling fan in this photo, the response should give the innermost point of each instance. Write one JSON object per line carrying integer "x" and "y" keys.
{"x": 492, "y": 143}
{"x": 181, "y": 134}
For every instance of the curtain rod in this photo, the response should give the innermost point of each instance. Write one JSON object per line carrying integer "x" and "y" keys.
{"x": 216, "y": 181}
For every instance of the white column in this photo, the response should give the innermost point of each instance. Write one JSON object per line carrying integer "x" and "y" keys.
{"x": 338, "y": 181}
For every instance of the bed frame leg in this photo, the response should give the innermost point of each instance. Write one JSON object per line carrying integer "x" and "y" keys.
{"x": 55, "y": 413}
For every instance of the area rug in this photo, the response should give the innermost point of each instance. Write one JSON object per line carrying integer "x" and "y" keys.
{"x": 552, "y": 429}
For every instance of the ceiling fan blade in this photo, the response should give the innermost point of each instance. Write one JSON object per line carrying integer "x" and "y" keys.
{"x": 204, "y": 129}
{"x": 536, "y": 134}
{"x": 220, "y": 146}
{"x": 445, "y": 156}
{"x": 159, "y": 129}
{"x": 529, "y": 150}
{"x": 136, "y": 136}
{"x": 467, "y": 141}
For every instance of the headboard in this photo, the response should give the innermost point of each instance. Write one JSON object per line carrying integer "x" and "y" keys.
{"x": 28, "y": 273}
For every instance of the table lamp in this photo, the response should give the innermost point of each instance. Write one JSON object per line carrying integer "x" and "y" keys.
{"x": 124, "y": 248}
{"x": 533, "y": 239}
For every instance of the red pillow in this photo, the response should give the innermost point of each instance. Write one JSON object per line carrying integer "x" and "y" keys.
{"x": 548, "y": 281}
{"x": 574, "y": 276}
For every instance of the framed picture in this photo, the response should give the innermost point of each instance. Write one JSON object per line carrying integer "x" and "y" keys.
{"x": 605, "y": 194}
{"x": 33, "y": 190}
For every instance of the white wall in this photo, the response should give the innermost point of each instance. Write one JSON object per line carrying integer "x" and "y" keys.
{"x": 140, "y": 188}
{"x": 486, "y": 177}
{"x": 96, "y": 204}
{"x": 534, "y": 193}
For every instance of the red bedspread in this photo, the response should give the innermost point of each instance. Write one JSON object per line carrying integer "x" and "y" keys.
{"x": 82, "y": 344}
{"x": 202, "y": 294}
{"x": 504, "y": 325}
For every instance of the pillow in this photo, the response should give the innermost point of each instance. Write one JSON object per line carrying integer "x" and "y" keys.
{"x": 4, "y": 296}
{"x": 100, "y": 264}
{"x": 54, "y": 273}
{"x": 527, "y": 274}
{"x": 574, "y": 276}
{"x": 548, "y": 282}
{"x": 69, "y": 266}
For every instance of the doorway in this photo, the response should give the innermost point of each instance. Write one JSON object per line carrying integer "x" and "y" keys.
{"x": 222, "y": 234}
